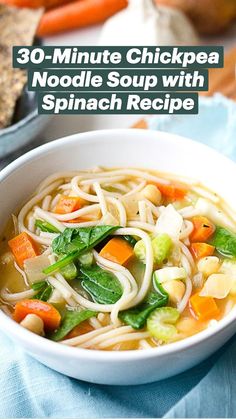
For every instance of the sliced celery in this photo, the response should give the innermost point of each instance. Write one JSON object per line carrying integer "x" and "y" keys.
{"x": 161, "y": 321}
{"x": 161, "y": 246}
{"x": 69, "y": 271}
{"x": 169, "y": 273}
{"x": 86, "y": 259}
{"x": 139, "y": 251}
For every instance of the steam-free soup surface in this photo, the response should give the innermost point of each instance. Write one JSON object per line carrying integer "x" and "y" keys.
{"x": 119, "y": 259}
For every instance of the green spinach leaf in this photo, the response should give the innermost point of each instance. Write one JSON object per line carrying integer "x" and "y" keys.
{"x": 102, "y": 285}
{"x": 75, "y": 241}
{"x": 71, "y": 320}
{"x": 38, "y": 285}
{"x": 44, "y": 290}
{"x": 80, "y": 239}
{"x": 136, "y": 317}
{"x": 224, "y": 242}
{"x": 130, "y": 239}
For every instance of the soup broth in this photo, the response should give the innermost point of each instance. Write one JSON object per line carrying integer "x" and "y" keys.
{"x": 119, "y": 259}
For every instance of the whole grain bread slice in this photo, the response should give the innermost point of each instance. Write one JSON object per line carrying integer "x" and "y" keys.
{"x": 17, "y": 27}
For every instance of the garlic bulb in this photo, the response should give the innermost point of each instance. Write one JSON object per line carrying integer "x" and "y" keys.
{"x": 144, "y": 23}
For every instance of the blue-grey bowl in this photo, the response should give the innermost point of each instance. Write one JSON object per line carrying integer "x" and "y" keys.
{"x": 26, "y": 123}
{"x": 23, "y": 130}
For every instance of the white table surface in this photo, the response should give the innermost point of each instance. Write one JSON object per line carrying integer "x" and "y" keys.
{"x": 66, "y": 125}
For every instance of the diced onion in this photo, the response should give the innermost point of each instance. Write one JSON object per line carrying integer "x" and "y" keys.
{"x": 34, "y": 268}
{"x": 170, "y": 222}
{"x": 217, "y": 286}
{"x": 229, "y": 267}
{"x": 210, "y": 210}
{"x": 198, "y": 280}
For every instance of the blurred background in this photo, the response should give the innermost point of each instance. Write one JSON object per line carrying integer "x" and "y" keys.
{"x": 104, "y": 22}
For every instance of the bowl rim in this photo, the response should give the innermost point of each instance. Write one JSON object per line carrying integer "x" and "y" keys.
{"x": 48, "y": 346}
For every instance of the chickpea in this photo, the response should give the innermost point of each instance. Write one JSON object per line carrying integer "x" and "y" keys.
{"x": 152, "y": 193}
{"x": 6, "y": 258}
{"x": 186, "y": 325}
{"x": 33, "y": 323}
{"x": 104, "y": 319}
{"x": 209, "y": 265}
{"x": 175, "y": 289}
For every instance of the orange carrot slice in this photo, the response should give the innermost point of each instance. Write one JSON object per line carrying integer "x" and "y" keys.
{"x": 173, "y": 191}
{"x": 204, "y": 308}
{"x": 200, "y": 250}
{"x": 50, "y": 316}
{"x": 117, "y": 250}
{"x": 203, "y": 229}
{"x": 23, "y": 247}
{"x": 81, "y": 329}
{"x": 68, "y": 204}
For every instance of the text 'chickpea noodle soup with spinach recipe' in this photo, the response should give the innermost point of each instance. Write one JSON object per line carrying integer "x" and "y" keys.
{"x": 119, "y": 259}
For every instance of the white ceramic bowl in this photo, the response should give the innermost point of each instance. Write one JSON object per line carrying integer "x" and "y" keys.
{"x": 138, "y": 148}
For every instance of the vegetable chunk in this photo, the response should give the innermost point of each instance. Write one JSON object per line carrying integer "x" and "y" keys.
{"x": 161, "y": 246}
{"x": 217, "y": 286}
{"x": 160, "y": 323}
{"x": 74, "y": 242}
{"x": 23, "y": 247}
{"x": 200, "y": 250}
{"x": 173, "y": 191}
{"x": 205, "y": 308}
{"x": 117, "y": 250}
{"x": 50, "y": 316}
{"x": 203, "y": 229}
{"x": 136, "y": 317}
{"x": 70, "y": 321}
{"x": 68, "y": 204}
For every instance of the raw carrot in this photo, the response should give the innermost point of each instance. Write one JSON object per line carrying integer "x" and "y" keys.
{"x": 68, "y": 204}
{"x": 78, "y": 14}
{"x": 173, "y": 191}
{"x": 204, "y": 308}
{"x": 203, "y": 229}
{"x": 200, "y": 250}
{"x": 23, "y": 247}
{"x": 35, "y": 4}
{"x": 49, "y": 314}
{"x": 117, "y": 250}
